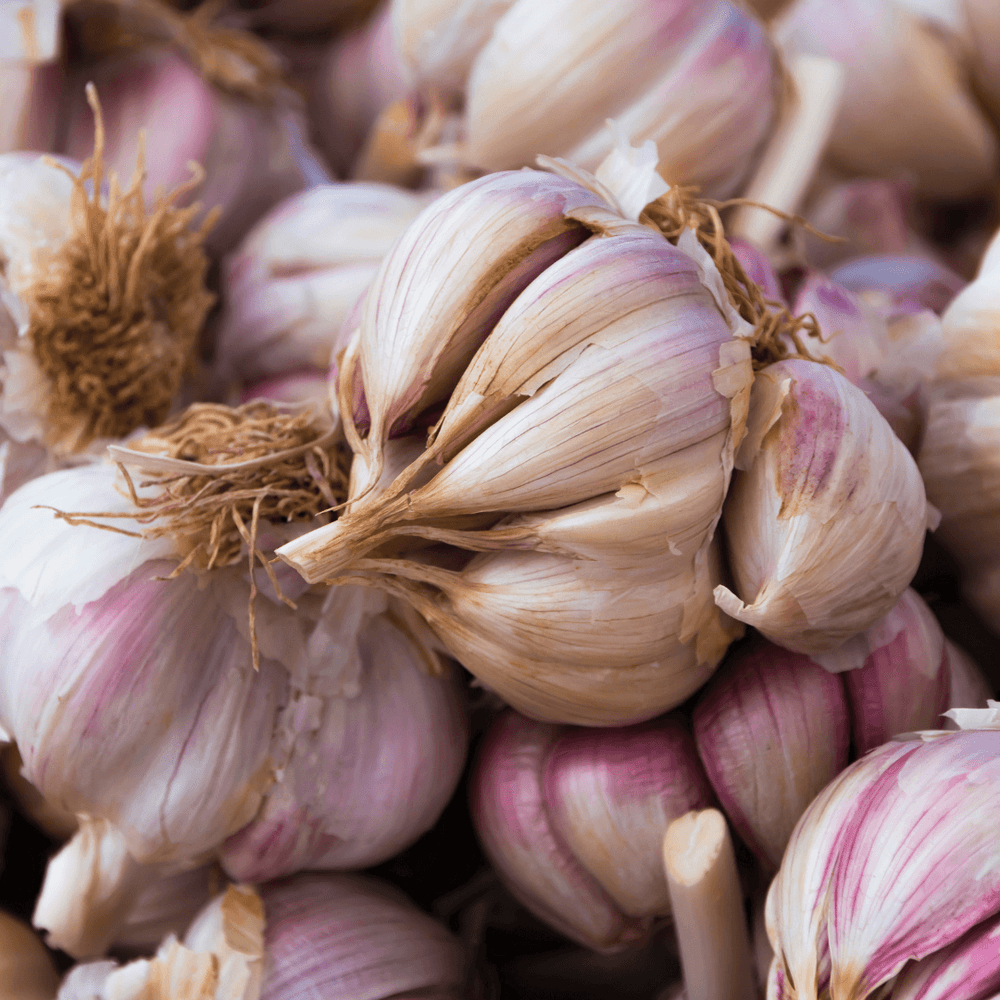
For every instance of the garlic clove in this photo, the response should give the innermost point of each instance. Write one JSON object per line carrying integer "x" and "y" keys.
{"x": 906, "y": 107}
{"x": 438, "y": 40}
{"x": 773, "y": 729}
{"x": 556, "y": 103}
{"x": 709, "y": 113}
{"x": 27, "y": 971}
{"x": 611, "y": 795}
{"x": 903, "y": 684}
{"x": 969, "y": 687}
{"x": 293, "y": 281}
{"x": 759, "y": 270}
{"x": 364, "y": 775}
{"x": 513, "y": 824}
{"x": 906, "y": 283}
{"x": 814, "y": 498}
{"x": 451, "y": 275}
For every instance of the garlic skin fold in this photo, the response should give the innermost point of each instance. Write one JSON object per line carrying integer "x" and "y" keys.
{"x": 573, "y": 820}
{"x": 885, "y": 873}
{"x": 134, "y": 703}
{"x": 825, "y": 484}
{"x": 292, "y": 282}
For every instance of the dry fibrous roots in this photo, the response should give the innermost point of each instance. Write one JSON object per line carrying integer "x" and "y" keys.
{"x": 777, "y": 333}
{"x": 116, "y": 310}
{"x": 231, "y": 59}
{"x": 218, "y": 472}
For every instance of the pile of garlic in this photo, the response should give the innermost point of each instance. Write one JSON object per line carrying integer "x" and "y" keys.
{"x": 385, "y": 380}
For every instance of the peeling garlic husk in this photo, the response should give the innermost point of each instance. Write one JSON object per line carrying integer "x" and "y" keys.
{"x": 200, "y": 758}
{"x": 573, "y": 840}
{"x": 907, "y": 109}
{"x": 826, "y": 484}
{"x": 889, "y": 865}
{"x": 27, "y": 971}
{"x": 291, "y": 284}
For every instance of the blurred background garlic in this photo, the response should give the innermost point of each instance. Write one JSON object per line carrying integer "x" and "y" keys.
{"x": 704, "y": 83}
{"x": 824, "y": 484}
{"x": 573, "y": 820}
{"x": 27, "y": 971}
{"x": 330, "y": 936}
{"x": 293, "y": 281}
{"x": 907, "y": 111}
{"x": 891, "y": 874}
{"x": 540, "y": 334}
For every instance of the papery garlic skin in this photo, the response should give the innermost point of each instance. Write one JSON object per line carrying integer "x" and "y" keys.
{"x": 900, "y": 867}
{"x": 365, "y": 775}
{"x": 574, "y": 820}
{"x": 292, "y": 282}
{"x": 826, "y": 484}
{"x": 906, "y": 108}
{"x": 706, "y": 47}
{"x": 343, "y": 937}
{"x": 773, "y": 728}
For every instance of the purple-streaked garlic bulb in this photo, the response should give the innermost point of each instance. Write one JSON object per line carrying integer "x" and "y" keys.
{"x": 772, "y": 729}
{"x": 247, "y": 150}
{"x": 891, "y": 873}
{"x": 573, "y": 820}
{"x": 825, "y": 524}
{"x": 291, "y": 284}
{"x": 703, "y": 81}
{"x": 135, "y": 704}
{"x": 337, "y": 937}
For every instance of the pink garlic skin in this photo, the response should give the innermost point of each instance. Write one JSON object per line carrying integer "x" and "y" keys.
{"x": 968, "y": 687}
{"x": 573, "y": 820}
{"x": 772, "y": 729}
{"x": 343, "y": 937}
{"x": 903, "y": 685}
{"x": 245, "y": 150}
{"x": 905, "y": 283}
{"x": 373, "y": 777}
{"x": 295, "y": 387}
{"x": 154, "y": 690}
{"x": 759, "y": 270}
{"x": 360, "y": 74}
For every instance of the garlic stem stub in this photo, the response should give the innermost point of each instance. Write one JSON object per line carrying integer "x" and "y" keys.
{"x": 825, "y": 523}
{"x": 573, "y": 820}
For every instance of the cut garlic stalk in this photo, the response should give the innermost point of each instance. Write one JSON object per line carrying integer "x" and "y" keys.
{"x": 707, "y": 905}
{"x": 826, "y": 484}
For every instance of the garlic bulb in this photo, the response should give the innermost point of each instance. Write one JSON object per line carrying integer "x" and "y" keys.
{"x": 27, "y": 971}
{"x": 906, "y": 108}
{"x": 151, "y": 90}
{"x": 28, "y": 114}
{"x": 332, "y": 936}
{"x": 360, "y": 74}
{"x": 208, "y": 743}
{"x": 885, "y": 873}
{"x": 901, "y": 283}
{"x": 292, "y": 282}
{"x": 772, "y": 730}
{"x": 590, "y": 418}
{"x": 703, "y": 84}
{"x": 573, "y": 820}
{"x": 968, "y": 687}
{"x": 825, "y": 527}
{"x": 62, "y": 386}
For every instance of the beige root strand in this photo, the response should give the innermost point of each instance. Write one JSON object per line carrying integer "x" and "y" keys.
{"x": 219, "y": 472}
{"x": 774, "y": 325}
{"x": 116, "y": 310}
